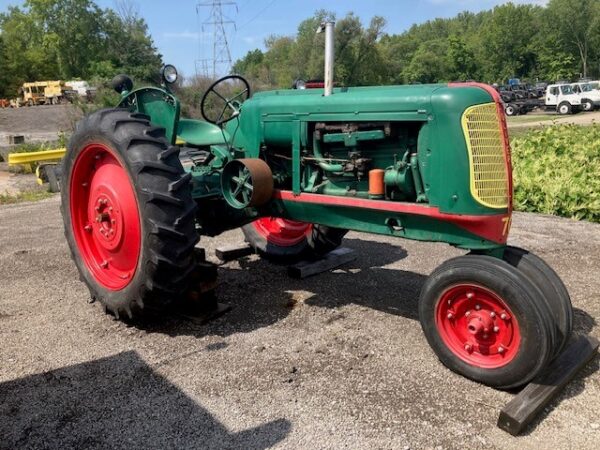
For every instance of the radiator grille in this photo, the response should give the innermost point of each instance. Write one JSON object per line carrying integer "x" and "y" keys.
{"x": 484, "y": 137}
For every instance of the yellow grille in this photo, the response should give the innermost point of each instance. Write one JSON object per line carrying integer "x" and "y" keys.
{"x": 484, "y": 137}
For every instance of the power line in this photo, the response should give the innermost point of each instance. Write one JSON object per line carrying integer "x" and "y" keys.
{"x": 257, "y": 14}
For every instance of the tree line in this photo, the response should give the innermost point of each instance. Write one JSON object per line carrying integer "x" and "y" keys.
{"x": 66, "y": 39}
{"x": 558, "y": 41}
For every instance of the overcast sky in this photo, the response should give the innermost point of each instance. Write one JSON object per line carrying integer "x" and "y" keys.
{"x": 176, "y": 26}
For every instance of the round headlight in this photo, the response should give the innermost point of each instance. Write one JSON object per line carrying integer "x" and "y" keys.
{"x": 169, "y": 74}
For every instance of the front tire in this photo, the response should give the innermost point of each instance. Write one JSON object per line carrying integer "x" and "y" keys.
{"x": 288, "y": 241}
{"x": 485, "y": 321}
{"x": 587, "y": 105}
{"x": 564, "y": 108}
{"x": 128, "y": 212}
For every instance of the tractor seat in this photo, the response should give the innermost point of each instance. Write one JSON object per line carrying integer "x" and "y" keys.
{"x": 200, "y": 133}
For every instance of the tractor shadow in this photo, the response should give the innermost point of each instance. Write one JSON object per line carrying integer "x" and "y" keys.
{"x": 261, "y": 293}
{"x": 116, "y": 402}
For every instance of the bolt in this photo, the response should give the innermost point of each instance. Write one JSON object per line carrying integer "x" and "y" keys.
{"x": 496, "y": 329}
{"x": 485, "y": 336}
{"x": 468, "y": 313}
{"x": 492, "y": 314}
{"x": 450, "y": 315}
{"x": 477, "y": 307}
{"x": 500, "y": 349}
{"x": 104, "y": 264}
{"x": 97, "y": 208}
{"x": 104, "y": 201}
{"x": 84, "y": 184}
{"x": 110, "y": 209}
{"x": 111, "y": 232}
{"x": 468, "y": 348}
{"x": 88, "y": 228}
{"x": 503, "y": 316}
{"x": 113, "y": 221}
{"x": 470, "y": 295}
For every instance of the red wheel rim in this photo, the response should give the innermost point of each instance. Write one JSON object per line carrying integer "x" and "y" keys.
{"x": 477, "y": 326}
{"x": 104, "y": 216}
{"x": 282, "y": 232}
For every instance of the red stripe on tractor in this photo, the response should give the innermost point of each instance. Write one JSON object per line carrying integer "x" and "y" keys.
{"x": 491, "y": 227}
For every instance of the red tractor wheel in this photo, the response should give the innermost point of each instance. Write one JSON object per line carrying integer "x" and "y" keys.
{"x": 288, "y": 240}
{"x": 128, "y": 212}
{"x": 487, "y": 321}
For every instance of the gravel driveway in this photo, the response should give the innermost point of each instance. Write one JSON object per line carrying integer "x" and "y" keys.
{"x": 334, "y": 361}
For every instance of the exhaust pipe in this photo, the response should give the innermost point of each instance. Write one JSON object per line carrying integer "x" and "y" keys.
{"x": 329, "y": 55}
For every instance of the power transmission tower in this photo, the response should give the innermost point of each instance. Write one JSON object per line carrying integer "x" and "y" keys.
{"x": 220, "y": 63}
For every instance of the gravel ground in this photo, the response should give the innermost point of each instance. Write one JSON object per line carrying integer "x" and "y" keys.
{"x": 334, "y": 361}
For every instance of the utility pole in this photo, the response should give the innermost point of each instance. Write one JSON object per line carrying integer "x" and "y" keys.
{"x": 220, "y": 63}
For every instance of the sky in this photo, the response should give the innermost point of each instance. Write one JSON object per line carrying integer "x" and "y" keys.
{"x": 176, "y": 25}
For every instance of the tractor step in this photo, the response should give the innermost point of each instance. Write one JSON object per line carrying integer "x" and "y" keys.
{"x": 331, "y": 260}
{"x": 526, "y": 405}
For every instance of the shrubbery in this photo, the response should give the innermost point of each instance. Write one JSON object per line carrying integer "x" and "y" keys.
{"x": 557, "y": 171}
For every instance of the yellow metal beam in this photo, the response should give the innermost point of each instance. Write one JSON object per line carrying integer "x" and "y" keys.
{"x": 33, "y": 157}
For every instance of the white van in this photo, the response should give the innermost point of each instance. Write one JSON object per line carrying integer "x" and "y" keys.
{"x": 589, "y": 93}
{"x": 562, "y": 98}
{"x": 82, "y": 87}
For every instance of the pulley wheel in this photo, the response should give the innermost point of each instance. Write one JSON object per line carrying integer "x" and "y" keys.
{"x": 247, "y": 182}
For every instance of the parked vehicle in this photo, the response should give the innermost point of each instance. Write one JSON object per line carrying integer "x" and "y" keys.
{"x": 41, "y": 93}
{"x": 589, "y": 94}
{"x": 82, "y": 89}
{"x": 562, "y": 98}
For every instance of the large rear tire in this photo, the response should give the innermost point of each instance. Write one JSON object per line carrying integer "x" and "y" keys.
{"x": 128, "y": 212}
{"x": 287, "y": 241}
{"x": 486, "y": 321}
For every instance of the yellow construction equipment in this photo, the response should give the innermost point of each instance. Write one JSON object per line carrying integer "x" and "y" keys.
{"x": 40, "y": 93}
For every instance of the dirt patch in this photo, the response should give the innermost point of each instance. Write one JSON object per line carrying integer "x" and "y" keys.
{"x": 37, "y": 124}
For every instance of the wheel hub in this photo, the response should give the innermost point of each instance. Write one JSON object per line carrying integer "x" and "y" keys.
{"x": 477, "y": 326}
{"x": 104, "y": 216}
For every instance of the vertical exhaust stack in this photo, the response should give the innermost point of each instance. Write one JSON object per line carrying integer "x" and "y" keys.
{"x": 329, "y": 55}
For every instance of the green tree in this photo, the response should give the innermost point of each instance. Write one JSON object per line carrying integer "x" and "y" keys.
{"x": 577, "y": 24}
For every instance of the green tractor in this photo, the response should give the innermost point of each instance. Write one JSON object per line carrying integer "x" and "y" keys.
{"x": 296, "y": 169}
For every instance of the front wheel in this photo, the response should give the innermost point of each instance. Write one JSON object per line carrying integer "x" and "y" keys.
{"x": 564, "y": 108}
{"x": 128, "y": 212}
{"x": 485, "y": 320}
{"x": 287, "y": 241}
{"x": 587, "y": 105}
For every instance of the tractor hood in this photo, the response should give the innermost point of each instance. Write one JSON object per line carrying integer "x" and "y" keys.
{"x": 267, "y": 116}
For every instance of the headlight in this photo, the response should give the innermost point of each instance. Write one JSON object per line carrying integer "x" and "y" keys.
{"x": 169, "y": 74}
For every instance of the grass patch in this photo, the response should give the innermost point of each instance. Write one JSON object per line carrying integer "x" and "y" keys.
{"x": 25, "y": 196}
{"x": 557, "y": 171}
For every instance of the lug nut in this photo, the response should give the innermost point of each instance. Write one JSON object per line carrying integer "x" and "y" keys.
{"x": 468, "y": 313}
{"x": 468, "y": 348}
{"x": 503, "y": 316}
{"x": 477, "y": 307}
{"x": 104, "y": 264}
{"x": 470, "y": 295}
{"x": 496, "y": 329}
{"x": 500, "y": 349}
{"x": 450, "y": 315}
{"x": 88, "y": 228}
{"x": 492, "y": 314}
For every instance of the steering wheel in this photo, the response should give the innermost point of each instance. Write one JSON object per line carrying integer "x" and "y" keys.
{"x": 225, "y": 108}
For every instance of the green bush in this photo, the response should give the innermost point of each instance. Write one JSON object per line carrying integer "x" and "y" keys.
{"x": 557, "y": 171}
